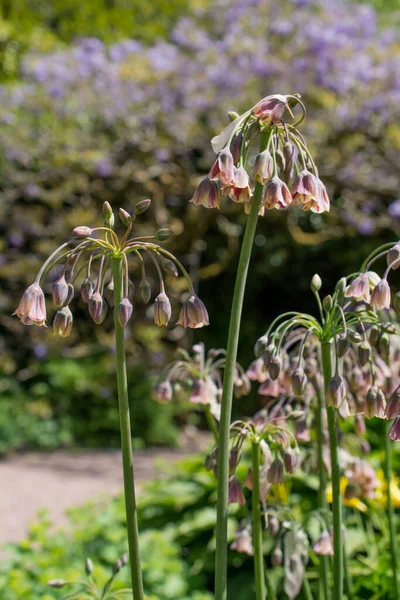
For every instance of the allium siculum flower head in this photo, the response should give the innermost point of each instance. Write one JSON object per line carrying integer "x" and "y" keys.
{"x": 239, "y": 188}
{"x": 162, "y": 391}
{"x": 31, "y": 309}
{"x": 282, "y": 151}
{"x": 243, "y": 541}
{"x": 206, "y": 194}
{"x": 98, "y": 249}
{"x": 235, "y": 493}
{"x": 193, "y": 313}
{"x": 375, "y": 403}
{"x": 223, "y": 168}
{"x": 270, "y": 110}
{"x": 277, "y": 195}
{"x": 125, "y": 310}
{"x": 394, "y": 432}
{"x": 263, "y": 169}
{"x": 60, "y": 291}
{"x": 393, "y": 405}
{"x": 62, "y": 324}
{"x": 336, "y": 391}
{"x": 276, "y": 471}
{"x": 299, "y": 382}
{"x": 380, "y": 297}
{"x": 162, "y": 309}
{"x": 87, "y": 289}
{"x": 323, "y": 545}
{"x": 360, "y": 287}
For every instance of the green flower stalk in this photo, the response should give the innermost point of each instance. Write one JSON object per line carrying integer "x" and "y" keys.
{"x": 103, "y": 247}
{"x": 283, "y": 174}
{"x": 352, "y": 335}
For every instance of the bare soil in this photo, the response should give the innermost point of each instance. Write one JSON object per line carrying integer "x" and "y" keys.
{"x": 59, "y": 480}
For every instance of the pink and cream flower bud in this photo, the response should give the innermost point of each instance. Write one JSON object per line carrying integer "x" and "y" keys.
{"x": 243, "y": 542}
{"x": 394, "y": 432}
{"x": 380, "y": 297}
{"x": 62, "y": 323}
{"x": 193, "y": 313}
{"x": 263, "y": 169}
{"x": 305, "y": 190}
{"x": 162, "y": 309}
{"x": 235, "y": 493}
{"x": 87, "y": 289}
{"x": 162, "y": 392}
{"x": 97, "y": 308}
{"x": 375, "y": 404}
{"x": 393, "y": 405}
{"x": 270, "y": 110}
{"x": 323, "y": 545}
{"x": 277, "y": 195}
{"x": 206, "y": 194}
{"x": 124, "y": 311}
{"x": 239, "y": 189}
{"x": 60, "y": 291}
{"x": 223, "y": 168}
{"x": 82, "y": 231}
{"x": 276, "y": 471}
{"x": 31, "y": 309}
{"x": 336, "y": 391}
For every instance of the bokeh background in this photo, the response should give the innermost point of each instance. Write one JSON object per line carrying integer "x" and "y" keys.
{"x": 116, "y": 100}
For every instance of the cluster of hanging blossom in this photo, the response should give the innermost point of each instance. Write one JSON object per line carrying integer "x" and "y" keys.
{"x": 278, "y": 449}
{"x": 285, "y": 168}
{"x": 365, "y": 382}
{"x": 199, "y": 376}
{"x": 98, "y": 246}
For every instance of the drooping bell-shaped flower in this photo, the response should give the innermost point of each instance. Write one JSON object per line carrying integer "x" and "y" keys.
{"x": 223, "y": 168}
{"x": 31, "y": 309}
{"x": 193, "y": 313}
{"x": 62, "y": 324}
{"x": 206, "y": 194}
{"x": 162, "y": 309}
{"x": 277, "y": 195}
{"x": 380, "y": 297}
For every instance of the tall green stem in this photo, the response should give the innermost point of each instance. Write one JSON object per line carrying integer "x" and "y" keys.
{"x": 257, "y": 525}
{"x": 322, "y": 473}
{"x": 126, "y": 441}
{"x": 337, "y": 591}
{"x": 392, "y": 525}
{"x": 221, "y": 552}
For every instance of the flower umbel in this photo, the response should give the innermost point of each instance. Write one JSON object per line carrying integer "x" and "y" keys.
{"x": 98, "y": 292}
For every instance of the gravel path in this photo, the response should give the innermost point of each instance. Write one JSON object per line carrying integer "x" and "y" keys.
{"x": 60, "y": 480}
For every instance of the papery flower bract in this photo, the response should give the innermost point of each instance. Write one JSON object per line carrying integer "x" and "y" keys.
{"x": 380, "y": 297}
{"x": 31, "y": 309}
{"x": 235, "y": 493}
{"x": 277, "y": 195}
{"x": 206, "y": 194}
{"x": 263, "y": 169}
{"x": 239, "y": 189}
{"x": 162, "y": 309}
{"x": 62, "y": 323}
{"x": 270, "y": 109}
{"x": 193, "y": 313}
{"x": 223, "y": 168}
